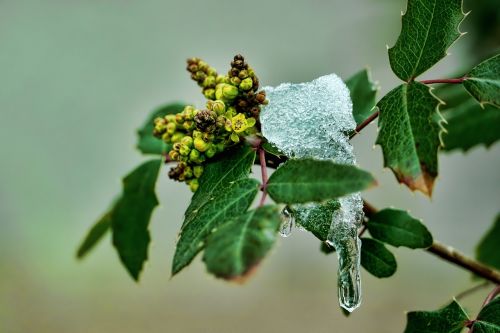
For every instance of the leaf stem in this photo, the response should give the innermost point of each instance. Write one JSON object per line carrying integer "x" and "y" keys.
{"x": 452, "y": 81}
{"x": 472, "y": 290}
{"x": 365, "y": 123}
{"x": 263, "y": 169}
{"x": 494, "y": 293}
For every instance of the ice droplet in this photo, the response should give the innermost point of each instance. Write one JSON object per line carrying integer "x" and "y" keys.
{"x": 287, "y": 222}
{"x": 314, "y": 120}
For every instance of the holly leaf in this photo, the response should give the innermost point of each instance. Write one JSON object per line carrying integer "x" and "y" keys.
{"x": 149, "y": 144}
{"x": 398, "y": 228}
{"x": 488, "y": 319}
{"x": 377, "y": 259}
{"x": 236, "y": 248}
{"x": 483, "y": 81}
{"x": 306, "y": 180}
{"x": 95, "y": 234}
{"x": 409, "y": 136}
{"x": 271, "y": 149}
{"x": 131, "y": 215}
{"x": 488, "y": 248}
{"x": 228, "y": 202}
{"x": 450, "y": 319}
{"x": 363, "y": 93}
{"x": 429, "y": 27}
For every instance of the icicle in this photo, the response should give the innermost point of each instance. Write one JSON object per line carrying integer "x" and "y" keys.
{"x": 287, "y": 222}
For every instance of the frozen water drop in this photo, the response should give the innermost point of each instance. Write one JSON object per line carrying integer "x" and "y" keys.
{"x": 287, "y": 222}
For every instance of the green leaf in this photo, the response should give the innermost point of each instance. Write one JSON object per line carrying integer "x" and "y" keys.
{"x": 429, "y": 27}
{"x": 409, "y": 135}
{"x": 316, "y": 217}
{"x": 147, "y": 143}
{"x": 228, "y": 202}
{"x": 377, "y": 259}
{"x": 131, "y": 215}
{"x": 488, "y": 319}
{"x": 236, "y": 248}
{"x": 489, "y": 247}
{"x": 398, "y": 228}
{"x": 469, "y": 125}
{"x": 450, "y": 319}
{"x": 95, "y": 234}
{"x": 363, "y": 93}
{"x": 271, "y": 149}
{"x": 233, "y": 165}
{"x": 306, "y": 180}
{"x": 483, "y": 82}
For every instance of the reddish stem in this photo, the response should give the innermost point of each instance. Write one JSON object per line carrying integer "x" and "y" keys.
{"x": 455, "y": 81}
{"x": 494, "y": 293}
{"x": 365, "y": 123}
{"x": 263, "y": 169}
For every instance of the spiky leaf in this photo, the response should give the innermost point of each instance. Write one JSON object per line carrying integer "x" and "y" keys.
{"x": 377, "y": 259}
{"x": 429, "y": 27}
{"x": 131, "y": 214}
{"x": 409, "y": 135}
{"x": 363, "y": 93}
{"x": 489, "y": 247}
{"x": 488, "y": 319}
{"x": 483, "y": 81}
{"x": 306, "y": 180}
{"x": 228, "y": 202}
{"x": 95, "y": 234}
{"x": 316, "y": 217}
{"x": 240, "y": 243}
{"x": 233, "y": 165}
{"x": 450, "y": 319}
{"x": 147, "y": 143}
{"x": 398, "y": 228}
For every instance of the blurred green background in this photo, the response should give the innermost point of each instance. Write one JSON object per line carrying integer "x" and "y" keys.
{"x": 77, "y": 78}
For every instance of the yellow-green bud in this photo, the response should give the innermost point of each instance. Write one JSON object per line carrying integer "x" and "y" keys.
{"x": 170, "y": 117}
{"x": 188, "y": 124}
{"x": 246, "y": 84}
{"x": 179, "y": 118}
{"x": 166, "y": 137}
{"x": 202, "y": 66}
{"x": 231, "y": 112}
{"x": 198, "y": 171}
{"x": 220, "y": 147}
{"x": 201, "y": 145}
{"x": 235, "y": 81}
{"x": 197, "y": 134}
{"x": 188, "y": 113}
{"x": 173, "y": 155}
{"x": 211, "y": 151}
{"x": 243, "y": 74}
{"x": 212, "y": 71}
{"x": 188, "y": 141}
{"x": 177, "y": 137}
{"x": 209, "y": 82}
{"x": 226, "y": 92}
{"x": 219, "y": 107}
{"x": 188, "y": 172}
{"x": 176, "y": 146}
{"x": 183, "y": 158}
{"x": 193, "y": 185}
{"x": 184, "y": 150}
{"x": 194, "y": 155}
{"x": 209, "y": 93}
{"x": 221, "y": 79}
{"x": 171, "y": 127}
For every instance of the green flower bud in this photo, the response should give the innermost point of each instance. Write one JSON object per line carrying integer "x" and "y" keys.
{"x": 197, "y": 134}
{"x": 166, "y": 137}
{"x": 193, "y": 185}
{"x": 170, "y": 118}
{"x": 219, "y": 107}
{"x": 201, "y": 145}
{"x": 177, "y": 137}
{"x": 243, "y": 74}
{"x": 179, "y": 118}
{"x": 209, "y": 93}
{"x": 188, "y": 124}
{"x": 220, "y": 147}
{"x": 231, "y": 112}
{"x": 211, "y": 151}
{"x": 212, "y": 72}
{"x": 184, "y": 150}
{"x": 235, "y": 81}
{"x": 177, "y": 146}
{"x": 171, "y": 127}
{"x": 188, "y": 141}
{"x": 202, "y": 66}
{"x": 174, "y": 156}
{"x": 221, "y": 79}
{"x": 209, "y": 82}
{"x": 188, "y": 112}
{"x": 235, "y": 138}
{"x": 183, "y": 158}
{"x": 200, "y": 76}
{"x": 246, "y": 84}
{"x": 226, "y": 92}
{"x": 198, "y": 171}
{"x": 194, "y": 155}
{"x": 188, "y": 172}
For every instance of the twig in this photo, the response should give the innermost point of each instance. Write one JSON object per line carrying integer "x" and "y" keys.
{"x": 472, "y": 290}
{"x": 452, "y": 81}
{"x": 365, "y": 123}
{"x": 263, "y": 169}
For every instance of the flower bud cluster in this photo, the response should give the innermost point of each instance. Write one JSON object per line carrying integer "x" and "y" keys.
{"x": 231, "y": 113}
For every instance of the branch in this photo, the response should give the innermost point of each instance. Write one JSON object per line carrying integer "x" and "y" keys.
{"x": 263, "y": 169}
{"x": 365, "y": 123}
{"x": 451, "y": 255}
{"x": 452, "y": 81}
